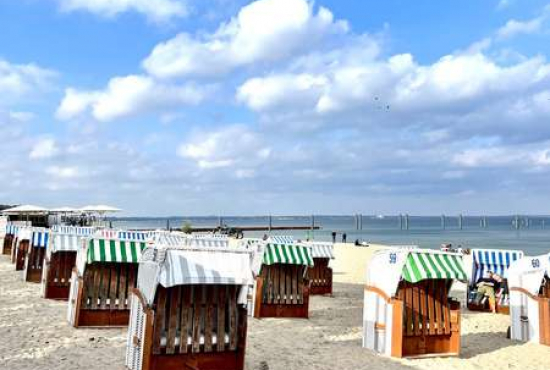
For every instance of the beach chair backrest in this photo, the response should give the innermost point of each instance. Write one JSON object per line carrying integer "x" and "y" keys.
{"x": 107, "y": 286}
{"x": 197, "y": 319}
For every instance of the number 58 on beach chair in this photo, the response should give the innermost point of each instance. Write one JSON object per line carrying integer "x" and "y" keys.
{"x": 189, "y": 309}
{"x": 529, "y": 281}
{"x": 407, "y": 308}
{"x": 105, "y": 274}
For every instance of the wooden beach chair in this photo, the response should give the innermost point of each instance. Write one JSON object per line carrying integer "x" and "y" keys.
{"x": 189, "y": 309}
{"x": 21, "y": 247}
{"x": 34, "y": 258}
{"x": 105, "y": 273}
{"x": 497, "y": 261}
{"x": 8, "y": 239}
{"x": 529, "y": 280}
{"x": 408, "y": 311}
{"x": 282, "y": 287}
{"x": 60, "y": 260}
{"x": 320, "y": 276}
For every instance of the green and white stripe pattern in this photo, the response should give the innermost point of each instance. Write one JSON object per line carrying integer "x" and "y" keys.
{"x": 114, "y": 250}
{"x": 422, "y": 265}
{"x": 289, "y": 254}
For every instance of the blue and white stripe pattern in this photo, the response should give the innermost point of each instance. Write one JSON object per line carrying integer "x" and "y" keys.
{"x": 494, "y": 260}
{"x": 132, "y": 235}
{"x": 40, "y": 239}
{"x": 73, "y": 230}
{"x": 281, "y": 239}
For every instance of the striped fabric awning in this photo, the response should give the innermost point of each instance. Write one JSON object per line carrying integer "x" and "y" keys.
{"x": 209, "y": 236}
{"x": 289, "y": 254}
{"x": 76, "y": 230}
{"x": 107, "y": 233}
{"x": 114, "y": 250}
{"x": 183, "y": 267}
{"x": 321, "y": 250}
{"x": 65, "y": 242}
{"x": 40, "y": 239}
{"x": 494, "y": 260}
{"x": 426, "y": 265}
{"x": 132, "y": 235}
{"x": 281, "y": 239}
{"x": 207, "y": 243}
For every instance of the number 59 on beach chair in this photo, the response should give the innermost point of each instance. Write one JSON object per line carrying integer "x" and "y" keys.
{"x": 407, "y": 308}
{"x": 529, "y": 281}
{"x": 189, "y": 309}
{"x": 105, "y": 274}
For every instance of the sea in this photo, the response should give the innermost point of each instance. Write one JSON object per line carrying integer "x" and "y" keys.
{"x": 528, "y": 233}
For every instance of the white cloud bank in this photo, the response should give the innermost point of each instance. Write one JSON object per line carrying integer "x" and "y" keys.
{"x": 263, "y": 31}
{"x": 18, "y": 80}
{"x": 155, "y": 10}
{"x": 126, "y": 96}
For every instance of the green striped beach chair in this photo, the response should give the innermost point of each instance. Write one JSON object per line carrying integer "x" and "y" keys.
{"x": 105, "y": 274}
{"x": 282, "y": 287}
{"x": 407, "y": 308}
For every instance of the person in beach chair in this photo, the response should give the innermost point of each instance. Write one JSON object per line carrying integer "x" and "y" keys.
{"x": 486, "y": 287}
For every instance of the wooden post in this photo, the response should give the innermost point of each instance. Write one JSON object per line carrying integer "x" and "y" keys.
{"x": 400, "y": 221}
{"x": 443, "y": 222}
{"x": 406, "y": 221}
{"x": 270, "y": 223}
{"x": 460, "y": 221}
{"x": 360, "y": 222}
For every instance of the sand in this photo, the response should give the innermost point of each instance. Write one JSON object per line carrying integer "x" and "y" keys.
{"x": 34, "y": 333}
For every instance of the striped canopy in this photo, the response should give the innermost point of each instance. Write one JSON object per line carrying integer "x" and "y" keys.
{"x": 65, "y": 242}
{"x": 494, "y": 260}
{"x": 281, "y": 239}
{"x": 76, "y": 230}
{"x": 11, "y": 229}
{"x": 114, "y": 250}
{"x": 321, "y": 250}
{"x": 425, "y": 265}
{"x": 288, "y": 254}
{"x": 132, "y": 235}
{"x": 40, "y": 239}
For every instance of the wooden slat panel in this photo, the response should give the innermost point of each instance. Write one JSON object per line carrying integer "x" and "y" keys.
{"x": 158, "y": 329}
{"x": 114, "y": 278}
{"x": 276, "y": 277}
{"x": 445, "y": 306}
{"x": 122, "y": 286}
{"x": 209, "y": 318}
{"x": 221, "y": 318}
{"x": 233, "y": 317}
{"x": 184, "y": 318}
{"x": 416, "y": 309}
{"x": 294, "y": 282}
{"x": 423, "y": 308}
{"x": 431, "y": 307}
{"x": 132, "y": 281}
{"x": 96, "y": 271}
{"x": 197, "y": 313}
{"x": 408, "y": 309}
{"x": 437, "y": 303}
{"x": 174, "y": 298}
{"x": 288, "y": 284}
{"x": 300, "y": 279}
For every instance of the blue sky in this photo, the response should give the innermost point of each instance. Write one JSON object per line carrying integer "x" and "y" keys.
{"x": 165, "y": 107}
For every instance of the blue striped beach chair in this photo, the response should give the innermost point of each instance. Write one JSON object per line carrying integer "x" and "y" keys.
{"x": 34, "y": 260}
{"x": 497, "y": 261}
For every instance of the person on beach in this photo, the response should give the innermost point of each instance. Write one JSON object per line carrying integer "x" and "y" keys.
{"x": 487, "y": 286}
{"x": 334, "y": 236}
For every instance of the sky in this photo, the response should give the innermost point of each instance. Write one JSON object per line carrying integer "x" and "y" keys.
{"x": 230, "y": 107}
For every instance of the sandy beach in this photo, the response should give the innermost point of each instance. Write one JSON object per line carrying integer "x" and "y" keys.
{"x": 34, "y": 333}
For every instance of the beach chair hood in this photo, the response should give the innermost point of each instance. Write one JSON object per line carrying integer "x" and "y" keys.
{"x": 175, "y": 266}
{"x": 388, "y": 267}
{"x": 528, "y": 272}
{"x": 321, "y": 249}
{"x": 495, "y": 260}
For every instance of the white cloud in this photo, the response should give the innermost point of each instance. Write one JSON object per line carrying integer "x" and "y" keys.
{"x": 155, "y": 10}
{"x": 126, "y": 96}
{"x": 265, "y": 30}
{"x": 514, "y": 27}
{"x": 67, "y": 172}
{"x": 44, "y": 148}
{"x": 227, "y": 147}
{"x": 18, "y": 80}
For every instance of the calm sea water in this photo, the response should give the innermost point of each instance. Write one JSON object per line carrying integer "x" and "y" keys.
{"x": 532, "y": 234}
